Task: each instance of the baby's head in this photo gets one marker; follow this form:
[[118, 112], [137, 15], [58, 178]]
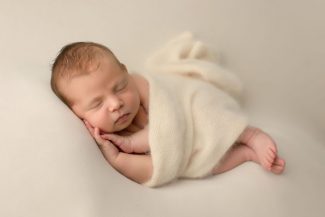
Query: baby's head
[[92, 82]]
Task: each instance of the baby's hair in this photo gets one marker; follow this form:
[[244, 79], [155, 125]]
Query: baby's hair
[[77, 59]]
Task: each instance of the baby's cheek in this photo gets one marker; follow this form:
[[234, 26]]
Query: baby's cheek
[[133, 100], [103, 122], [93, 120]]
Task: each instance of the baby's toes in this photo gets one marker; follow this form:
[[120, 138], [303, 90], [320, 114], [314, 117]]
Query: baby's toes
[[270, 158], [271, 152], [273, 148], [276, 169], [279, 162], [267, 163], [278, 166]]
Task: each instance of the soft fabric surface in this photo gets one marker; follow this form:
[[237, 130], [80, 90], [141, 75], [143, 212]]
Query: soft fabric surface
[[51, 167], [192, 118]]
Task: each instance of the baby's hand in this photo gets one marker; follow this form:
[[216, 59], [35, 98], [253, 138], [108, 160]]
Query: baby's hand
[[108, 149], [123, 142], [90, 128]]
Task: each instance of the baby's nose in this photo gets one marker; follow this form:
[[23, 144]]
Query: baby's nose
[[115, 104]]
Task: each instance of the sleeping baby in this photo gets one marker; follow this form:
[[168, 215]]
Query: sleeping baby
[[157, 127]]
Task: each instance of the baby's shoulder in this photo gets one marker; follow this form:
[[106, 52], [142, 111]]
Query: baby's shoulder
[[143, 88], [139, 80]]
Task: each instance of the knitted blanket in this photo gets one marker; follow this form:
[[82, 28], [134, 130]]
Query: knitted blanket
[[193, 114]]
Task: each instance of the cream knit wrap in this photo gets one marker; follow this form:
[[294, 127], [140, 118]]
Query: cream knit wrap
[[193, 114]]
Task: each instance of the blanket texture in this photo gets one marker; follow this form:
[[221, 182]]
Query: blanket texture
[[194, 116]]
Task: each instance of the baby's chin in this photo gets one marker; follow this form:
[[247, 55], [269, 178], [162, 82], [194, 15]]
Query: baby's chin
[[116, 129]]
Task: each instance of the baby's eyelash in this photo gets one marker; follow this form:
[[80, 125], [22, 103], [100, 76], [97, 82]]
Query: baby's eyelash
[[96, 105], [122, 86]]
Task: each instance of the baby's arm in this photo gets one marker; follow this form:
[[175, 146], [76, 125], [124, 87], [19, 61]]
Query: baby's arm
[[136, 167], [137, 142]]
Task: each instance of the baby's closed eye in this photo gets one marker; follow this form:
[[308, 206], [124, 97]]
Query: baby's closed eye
[[96, 104], [121, 86]]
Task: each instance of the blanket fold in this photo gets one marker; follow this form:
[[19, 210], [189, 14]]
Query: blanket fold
[[193, 115]]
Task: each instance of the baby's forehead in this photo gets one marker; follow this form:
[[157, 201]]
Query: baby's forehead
[[88, 68], [85, 67], [100, 61]]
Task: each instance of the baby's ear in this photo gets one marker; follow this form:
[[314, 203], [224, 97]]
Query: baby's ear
[[123, 67]]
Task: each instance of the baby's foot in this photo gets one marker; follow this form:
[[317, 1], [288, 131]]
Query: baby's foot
[[278, 166], [264, 147]]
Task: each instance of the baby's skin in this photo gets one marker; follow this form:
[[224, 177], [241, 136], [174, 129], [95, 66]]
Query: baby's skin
[[133, 143], [114, 107], [131, 140], [252, 145]]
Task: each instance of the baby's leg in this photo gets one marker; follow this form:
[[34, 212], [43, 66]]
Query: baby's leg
[[254, 145], [235, 156]]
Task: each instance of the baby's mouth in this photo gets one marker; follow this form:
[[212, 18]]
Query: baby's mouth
[[123, 118]]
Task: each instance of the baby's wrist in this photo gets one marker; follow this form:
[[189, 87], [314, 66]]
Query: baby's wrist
[[131, 143]]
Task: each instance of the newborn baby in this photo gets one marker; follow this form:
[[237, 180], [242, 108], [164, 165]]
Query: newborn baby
[[114, 106]]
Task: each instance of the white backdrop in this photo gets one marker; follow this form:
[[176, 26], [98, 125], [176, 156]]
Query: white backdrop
[[49, 166]]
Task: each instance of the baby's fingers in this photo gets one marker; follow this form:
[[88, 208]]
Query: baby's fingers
[[109, 151], [112, 137], [98, 137], [116, 139], [90, 128]]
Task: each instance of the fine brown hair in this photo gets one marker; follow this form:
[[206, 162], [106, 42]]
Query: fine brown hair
[[75, 59]]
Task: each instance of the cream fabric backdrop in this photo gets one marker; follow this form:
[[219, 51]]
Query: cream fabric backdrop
[[50, 166]]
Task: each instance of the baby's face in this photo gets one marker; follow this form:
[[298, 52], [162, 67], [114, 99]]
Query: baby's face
[[107, 97]]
